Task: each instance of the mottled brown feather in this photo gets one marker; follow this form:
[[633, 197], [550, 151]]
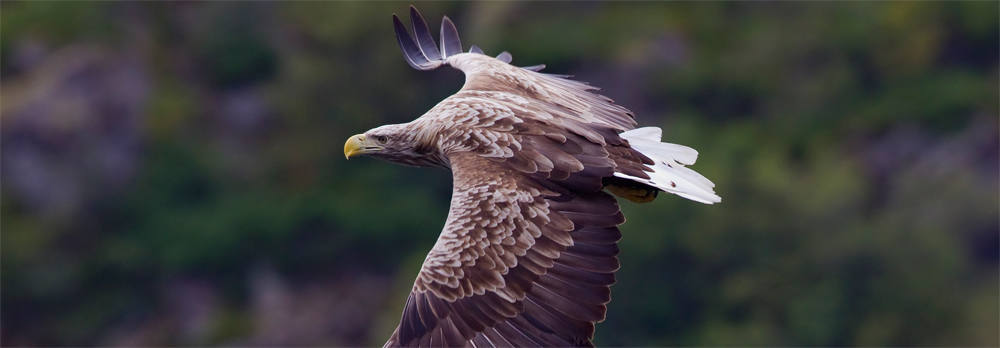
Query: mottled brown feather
[[528, 253]]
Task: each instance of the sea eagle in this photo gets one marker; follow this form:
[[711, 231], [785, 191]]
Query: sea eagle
[[529, 250]]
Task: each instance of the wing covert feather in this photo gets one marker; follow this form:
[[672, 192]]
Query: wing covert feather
[[491, 279]]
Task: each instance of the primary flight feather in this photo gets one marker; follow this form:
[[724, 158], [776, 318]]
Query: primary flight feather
[[529, 250]]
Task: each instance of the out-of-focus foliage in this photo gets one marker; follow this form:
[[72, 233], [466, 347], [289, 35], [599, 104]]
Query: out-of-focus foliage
[[172, 172]]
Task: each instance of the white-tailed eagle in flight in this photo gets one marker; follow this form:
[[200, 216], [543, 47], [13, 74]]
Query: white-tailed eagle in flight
[[529, 250]]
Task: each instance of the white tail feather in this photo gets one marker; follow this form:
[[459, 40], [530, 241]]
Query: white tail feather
[[669, 173]]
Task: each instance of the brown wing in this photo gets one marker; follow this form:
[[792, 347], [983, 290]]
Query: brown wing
[[569, 98], [485, 73], [528, 253]]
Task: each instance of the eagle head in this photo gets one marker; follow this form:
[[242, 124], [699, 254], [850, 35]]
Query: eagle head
[[397, 143]]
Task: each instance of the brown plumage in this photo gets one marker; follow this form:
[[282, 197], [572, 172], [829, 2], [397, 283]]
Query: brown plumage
[[529, 250]]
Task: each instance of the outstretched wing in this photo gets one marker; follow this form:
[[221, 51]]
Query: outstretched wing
[[528, 252], [559, 95], [526, 257]]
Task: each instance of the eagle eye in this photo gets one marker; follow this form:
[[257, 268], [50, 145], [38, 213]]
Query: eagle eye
[[381, 139]]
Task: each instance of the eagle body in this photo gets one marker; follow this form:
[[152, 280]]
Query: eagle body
[[529, 249]]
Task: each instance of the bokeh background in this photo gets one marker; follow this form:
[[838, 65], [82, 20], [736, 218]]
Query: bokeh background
[[172, 172]]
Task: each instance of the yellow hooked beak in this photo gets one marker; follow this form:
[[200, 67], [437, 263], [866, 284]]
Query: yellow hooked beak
[[358, 145]]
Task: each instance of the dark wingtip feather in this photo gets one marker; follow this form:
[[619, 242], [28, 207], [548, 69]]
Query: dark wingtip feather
[[422, 52], [450, 43], [505, 57], [403, 37], [423, 35], [411, 52]]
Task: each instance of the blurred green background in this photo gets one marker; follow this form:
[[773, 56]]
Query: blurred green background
[[172, 172]]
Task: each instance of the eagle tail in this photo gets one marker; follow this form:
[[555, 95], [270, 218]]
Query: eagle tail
[[669, 173]]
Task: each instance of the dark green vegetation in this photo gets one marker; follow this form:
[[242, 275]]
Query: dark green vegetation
[[172, 172]]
